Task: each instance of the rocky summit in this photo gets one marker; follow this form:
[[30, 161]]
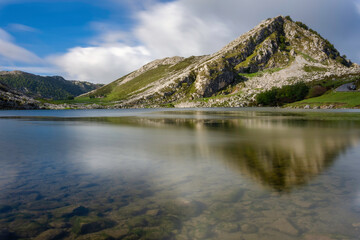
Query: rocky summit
[[277, 52]]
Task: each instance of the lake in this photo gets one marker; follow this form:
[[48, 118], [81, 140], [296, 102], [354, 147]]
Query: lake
[[243, 174]]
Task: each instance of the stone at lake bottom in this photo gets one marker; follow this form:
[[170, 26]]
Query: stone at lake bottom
[[153, 212], [303, 204], [59, 225], [283, 225], [24, 228], [227, 227], [203, 231], [317, 237], [249, 228], [93, 226], [52, 234], [78, 211]]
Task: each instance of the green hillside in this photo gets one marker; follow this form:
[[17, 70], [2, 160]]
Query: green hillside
[[53, 87], [336, 99], [118, 90]]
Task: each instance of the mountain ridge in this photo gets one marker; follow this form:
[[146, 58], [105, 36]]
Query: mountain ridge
[[45, 87], [275, 53]]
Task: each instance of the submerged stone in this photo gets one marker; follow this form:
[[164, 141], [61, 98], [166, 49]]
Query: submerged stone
[[283, 225], [317, 237], [230, 196], [227, 227], [80, 211], [185, 208], [69, 212], [225, 213], [203, 231], [90, 225], [51, 234], [153, 212], [249, 228], [27, 229]]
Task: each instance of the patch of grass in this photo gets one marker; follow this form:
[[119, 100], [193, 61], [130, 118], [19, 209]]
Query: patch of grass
[[308, 68], [125, 90], [81, 100], [343, 99], [260, 73], [183, 64], [117, 91], [308, 58]]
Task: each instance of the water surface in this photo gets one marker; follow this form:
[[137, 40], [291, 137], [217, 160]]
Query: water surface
[[171, 174]]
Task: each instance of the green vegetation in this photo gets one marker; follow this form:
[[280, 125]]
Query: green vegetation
[[308, 58], [333, 82], [117, 91], [183, 64], [302, 25], [260, 73], [308, 68], [339, 99], [316, 91], [283, 95], [45, 87], [282, 45], [288, 18], [124, 90]]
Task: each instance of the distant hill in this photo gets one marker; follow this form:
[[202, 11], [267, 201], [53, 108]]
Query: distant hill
[[276, 53], [11, 99], [54, 87]]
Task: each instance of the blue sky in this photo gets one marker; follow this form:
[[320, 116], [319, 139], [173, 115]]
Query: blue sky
[[100, 41]]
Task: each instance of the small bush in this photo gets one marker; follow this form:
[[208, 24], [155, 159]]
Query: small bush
[[288, 18], [303, 25], [316, 91], [282, 45]]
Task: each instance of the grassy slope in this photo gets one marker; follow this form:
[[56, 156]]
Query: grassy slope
[[339, 99], [115, 92]]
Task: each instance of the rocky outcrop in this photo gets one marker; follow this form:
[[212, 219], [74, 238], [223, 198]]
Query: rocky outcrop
[[10, 99]]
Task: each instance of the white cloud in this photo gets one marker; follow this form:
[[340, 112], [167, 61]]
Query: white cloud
[[172, 29], [357, 4], [11, 52], [21, 28], [108, 34], [5, 36], [101, 64]]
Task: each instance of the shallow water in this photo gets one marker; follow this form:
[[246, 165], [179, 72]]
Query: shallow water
[[189, 174]]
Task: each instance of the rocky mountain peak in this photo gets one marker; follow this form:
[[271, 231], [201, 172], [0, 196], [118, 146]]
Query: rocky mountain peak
[[277, 52]]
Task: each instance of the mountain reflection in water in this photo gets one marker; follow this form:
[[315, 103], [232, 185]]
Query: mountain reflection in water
[[180, 175], [280, 153]]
